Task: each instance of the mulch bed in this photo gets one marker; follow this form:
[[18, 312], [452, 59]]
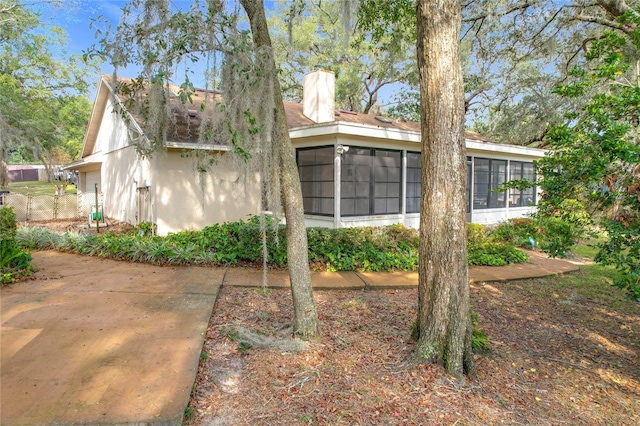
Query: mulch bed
[[557, 358], [80, 226]]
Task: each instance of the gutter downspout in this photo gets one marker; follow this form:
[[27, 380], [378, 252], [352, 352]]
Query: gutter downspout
[[337, 184]]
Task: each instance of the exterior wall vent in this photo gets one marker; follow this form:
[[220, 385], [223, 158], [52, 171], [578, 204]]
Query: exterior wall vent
[[384, 120]]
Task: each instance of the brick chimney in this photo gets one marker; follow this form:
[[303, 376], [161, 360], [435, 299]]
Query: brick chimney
[[318, 96]]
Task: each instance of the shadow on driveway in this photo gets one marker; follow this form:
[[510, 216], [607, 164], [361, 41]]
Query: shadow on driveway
[[92, 340]]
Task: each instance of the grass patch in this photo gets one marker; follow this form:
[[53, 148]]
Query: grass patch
[[586, 249], [38, 187], [593, 282]]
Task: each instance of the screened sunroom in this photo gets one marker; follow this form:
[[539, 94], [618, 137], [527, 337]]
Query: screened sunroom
[[362, 169], [369, 182]]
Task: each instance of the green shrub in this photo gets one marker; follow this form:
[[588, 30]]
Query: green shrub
[[38, 238], [385, 248], [492, 253], [8, 224], [557, 236], [388, 248], [622, 250], [146, 228], [574, 212], [250, 242], [518, 232], [14, 262], [482, 249], [476, 234], [562, 226]]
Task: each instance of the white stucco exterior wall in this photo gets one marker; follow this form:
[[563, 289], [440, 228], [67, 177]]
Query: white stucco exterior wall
[[182, 201], [119, 170]]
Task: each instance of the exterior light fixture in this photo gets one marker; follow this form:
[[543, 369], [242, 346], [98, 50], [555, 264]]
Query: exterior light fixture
[[341, 149]]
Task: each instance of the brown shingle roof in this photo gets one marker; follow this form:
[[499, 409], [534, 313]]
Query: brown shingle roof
[[187, 117]]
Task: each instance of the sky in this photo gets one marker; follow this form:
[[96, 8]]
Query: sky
[[75, 17]]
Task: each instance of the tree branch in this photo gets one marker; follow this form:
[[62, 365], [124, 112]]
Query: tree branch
[[602, 21], [518, 7], [615, 7]]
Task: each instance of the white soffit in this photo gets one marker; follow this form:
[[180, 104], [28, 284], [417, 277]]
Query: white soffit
[[474, 145], [366, 131]]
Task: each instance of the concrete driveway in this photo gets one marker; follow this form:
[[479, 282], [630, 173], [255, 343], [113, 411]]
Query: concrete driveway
[[96, 341]]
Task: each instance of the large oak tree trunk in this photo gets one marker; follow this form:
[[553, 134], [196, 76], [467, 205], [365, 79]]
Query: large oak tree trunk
[[444, 323], [306, 317]]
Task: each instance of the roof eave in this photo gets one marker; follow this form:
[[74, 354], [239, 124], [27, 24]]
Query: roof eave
[[91, 160], [197, 146], [504, 148], [354, 129]]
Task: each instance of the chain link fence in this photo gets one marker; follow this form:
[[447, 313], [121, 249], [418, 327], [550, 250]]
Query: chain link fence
[[42, 207]]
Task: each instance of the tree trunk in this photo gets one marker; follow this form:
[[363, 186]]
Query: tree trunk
[[48, 165], [306, 316], [444, 322], [4, 170]]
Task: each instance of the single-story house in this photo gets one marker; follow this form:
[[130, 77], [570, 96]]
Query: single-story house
[[355, 169]]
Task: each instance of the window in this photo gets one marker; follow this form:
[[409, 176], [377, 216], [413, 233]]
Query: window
[[488, 176], [468, 188], [527, 197], [315, 166], [371, 182], [387, 168], [413, 182]]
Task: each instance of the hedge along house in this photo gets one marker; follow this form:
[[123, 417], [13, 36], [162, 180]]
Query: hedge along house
[[355, 169]]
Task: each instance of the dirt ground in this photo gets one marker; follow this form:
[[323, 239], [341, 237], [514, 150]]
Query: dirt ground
[[557, 357], [79, 225]]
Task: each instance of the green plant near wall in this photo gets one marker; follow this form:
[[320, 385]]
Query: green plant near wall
[[483, 249], [385, 248], [15, 263], [522, 232], [8, 224], [146, 228], [555, 234]]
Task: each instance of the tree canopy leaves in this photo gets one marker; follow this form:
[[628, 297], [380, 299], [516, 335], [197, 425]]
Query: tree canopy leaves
[[43, 112], [595, 155]]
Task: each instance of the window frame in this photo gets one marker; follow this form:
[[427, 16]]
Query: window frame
[[306, 198], [416, 184], [494, 199], [513, 192], [371, 195]]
